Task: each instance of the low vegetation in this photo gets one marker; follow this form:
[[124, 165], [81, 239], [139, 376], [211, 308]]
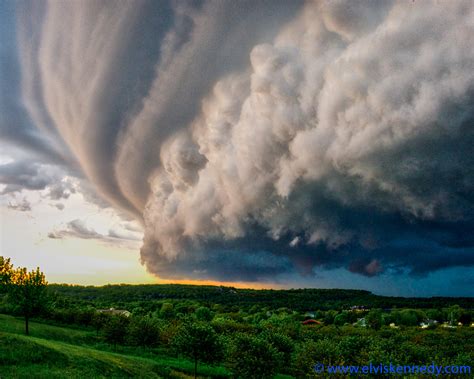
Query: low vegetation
[[203, 331]]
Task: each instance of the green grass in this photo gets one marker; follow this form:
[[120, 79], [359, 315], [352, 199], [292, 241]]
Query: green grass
[[22, 356], [16, 325], [59, 352]]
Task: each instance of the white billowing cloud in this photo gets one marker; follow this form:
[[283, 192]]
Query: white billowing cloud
[[338, 125], [335, 103], [388, 88]]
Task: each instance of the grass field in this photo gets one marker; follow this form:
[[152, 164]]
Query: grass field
[[58, 352]]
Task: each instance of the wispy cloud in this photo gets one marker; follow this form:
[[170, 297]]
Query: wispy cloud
[[22, 206], [79, 229]]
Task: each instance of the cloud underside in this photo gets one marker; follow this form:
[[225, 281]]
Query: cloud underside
[[255, 142]]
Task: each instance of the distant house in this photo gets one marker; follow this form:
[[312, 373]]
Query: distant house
[[312, 322], [428, 323], [115, 312], [448, 325], [358, 308], [360, 322]]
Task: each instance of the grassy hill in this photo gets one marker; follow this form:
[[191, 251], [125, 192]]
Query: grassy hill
[[58, 352]]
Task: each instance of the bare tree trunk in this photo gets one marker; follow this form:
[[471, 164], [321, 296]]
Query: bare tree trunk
[[27, 331]]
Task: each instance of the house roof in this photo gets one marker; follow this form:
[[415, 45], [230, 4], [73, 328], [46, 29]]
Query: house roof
[[114, 311], [311, 322]]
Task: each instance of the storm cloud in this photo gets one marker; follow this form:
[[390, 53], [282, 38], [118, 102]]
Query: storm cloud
[[254, 140], [26, 174]]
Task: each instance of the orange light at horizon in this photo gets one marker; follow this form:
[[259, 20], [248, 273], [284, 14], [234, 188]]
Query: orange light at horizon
[[241, 285], [194, 282]]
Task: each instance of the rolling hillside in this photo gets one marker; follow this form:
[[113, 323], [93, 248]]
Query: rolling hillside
[[57, 352]]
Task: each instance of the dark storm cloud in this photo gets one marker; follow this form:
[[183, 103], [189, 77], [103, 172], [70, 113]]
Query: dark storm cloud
[[20, 175], [27, 174], [257, 139], [61, 190], [380, 244]]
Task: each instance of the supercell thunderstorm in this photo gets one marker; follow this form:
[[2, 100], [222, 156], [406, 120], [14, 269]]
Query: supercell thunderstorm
[[253, 141]]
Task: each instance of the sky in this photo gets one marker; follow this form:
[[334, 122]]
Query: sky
[[265, 144]]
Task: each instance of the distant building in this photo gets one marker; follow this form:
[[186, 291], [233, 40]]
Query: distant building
[[360, 322], [448, 325], [115, 312], [312, 322], [428, 323], [358, 308]]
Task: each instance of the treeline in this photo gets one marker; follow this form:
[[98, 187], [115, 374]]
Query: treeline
[[295, 299], [67, 312]]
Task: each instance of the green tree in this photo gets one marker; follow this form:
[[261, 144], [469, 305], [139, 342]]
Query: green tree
[[434, 314], [6, 272], [115, 330], [167, 311], [198, 341], [374, 319], [143, 331], [329, 317], [203, 314], [409, 317], [352, 349], [168, 331], [284, 345], [465, 318], [253, 358], [99, 320], [341, 319], [454, 313], [309, 352], [27, 291]]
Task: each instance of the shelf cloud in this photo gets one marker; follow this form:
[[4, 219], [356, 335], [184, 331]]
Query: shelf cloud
[[254, 140]]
